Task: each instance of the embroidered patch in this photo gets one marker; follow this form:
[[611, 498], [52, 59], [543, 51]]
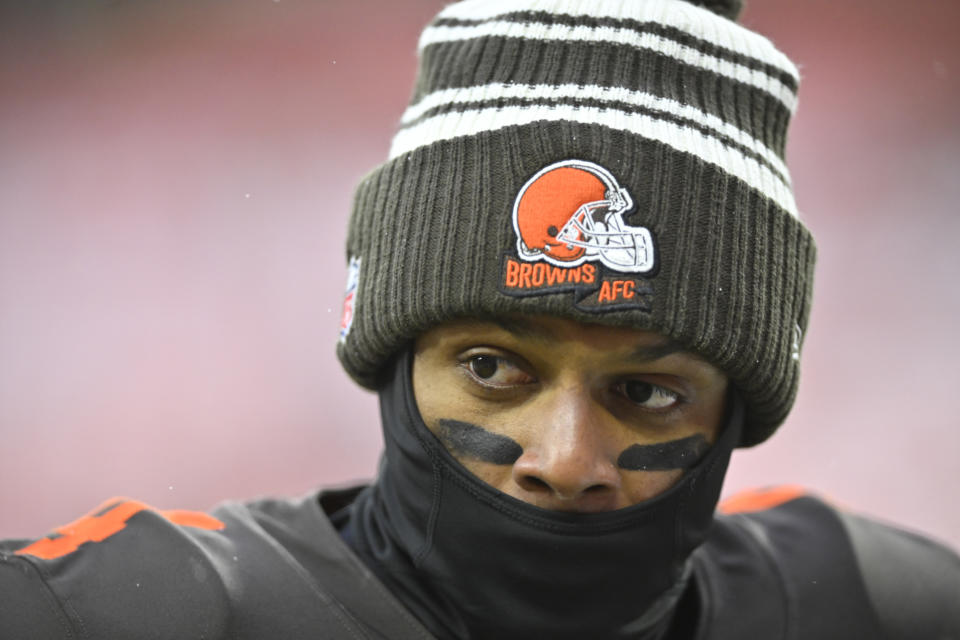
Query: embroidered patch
[[797, 341], [572, 236], [593, 287], [350, 297]]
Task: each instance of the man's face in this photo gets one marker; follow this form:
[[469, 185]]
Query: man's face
[[564, 415]]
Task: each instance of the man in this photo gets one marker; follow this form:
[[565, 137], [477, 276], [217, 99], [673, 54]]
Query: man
[[578, 283]]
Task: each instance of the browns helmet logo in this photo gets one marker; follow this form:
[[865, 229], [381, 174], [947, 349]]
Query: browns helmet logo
[[572, 212]]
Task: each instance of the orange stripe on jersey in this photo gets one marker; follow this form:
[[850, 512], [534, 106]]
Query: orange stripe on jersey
[[197, 519], [106, 520], [760, 499]]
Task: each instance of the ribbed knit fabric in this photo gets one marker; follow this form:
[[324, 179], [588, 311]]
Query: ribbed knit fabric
[[680, 111]]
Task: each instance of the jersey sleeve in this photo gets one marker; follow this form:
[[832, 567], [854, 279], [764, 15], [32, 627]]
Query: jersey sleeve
[[851, 566], [124, 570], [913, 581], [27, 607], [128, 571]]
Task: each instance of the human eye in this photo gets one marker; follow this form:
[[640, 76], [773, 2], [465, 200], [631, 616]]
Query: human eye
[[648, 395], [492, 370]]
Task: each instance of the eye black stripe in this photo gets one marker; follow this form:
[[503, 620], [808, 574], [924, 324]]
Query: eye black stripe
[[664, 456], [471, 441]]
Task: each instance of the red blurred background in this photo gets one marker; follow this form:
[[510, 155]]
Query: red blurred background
[[175, 180]]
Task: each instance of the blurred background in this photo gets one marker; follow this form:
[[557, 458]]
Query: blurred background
[[175, 180]]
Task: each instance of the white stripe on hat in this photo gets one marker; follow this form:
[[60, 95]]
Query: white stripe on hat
[[539, 31], [475, 121], [699, 22], [592, 92]]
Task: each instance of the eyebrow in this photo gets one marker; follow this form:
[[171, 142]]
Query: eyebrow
[[651, 352], [521, 328]]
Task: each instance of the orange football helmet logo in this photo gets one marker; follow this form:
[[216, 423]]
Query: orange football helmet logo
[[571, 212]]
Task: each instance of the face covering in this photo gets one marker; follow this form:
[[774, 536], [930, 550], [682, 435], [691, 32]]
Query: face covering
[[472, 562]]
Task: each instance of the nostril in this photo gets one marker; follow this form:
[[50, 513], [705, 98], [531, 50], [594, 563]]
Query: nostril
[[533, 483]]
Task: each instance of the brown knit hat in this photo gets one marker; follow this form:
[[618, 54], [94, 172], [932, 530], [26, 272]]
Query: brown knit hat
[[611, 161]]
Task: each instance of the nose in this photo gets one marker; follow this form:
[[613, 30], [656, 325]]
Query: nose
[[568, 464]]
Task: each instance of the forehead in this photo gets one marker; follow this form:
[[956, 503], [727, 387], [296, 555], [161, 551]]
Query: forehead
[[593, 341]]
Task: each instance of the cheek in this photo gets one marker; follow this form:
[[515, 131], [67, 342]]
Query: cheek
[[710, 418], [437, 392]]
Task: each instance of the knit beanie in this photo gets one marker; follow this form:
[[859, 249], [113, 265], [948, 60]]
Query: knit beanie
[[618, 162]]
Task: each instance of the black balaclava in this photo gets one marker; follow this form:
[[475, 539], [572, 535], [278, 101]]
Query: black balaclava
[[472, 562]]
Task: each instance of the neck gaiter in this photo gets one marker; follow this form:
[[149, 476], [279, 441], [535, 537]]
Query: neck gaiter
[[472, 562]]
